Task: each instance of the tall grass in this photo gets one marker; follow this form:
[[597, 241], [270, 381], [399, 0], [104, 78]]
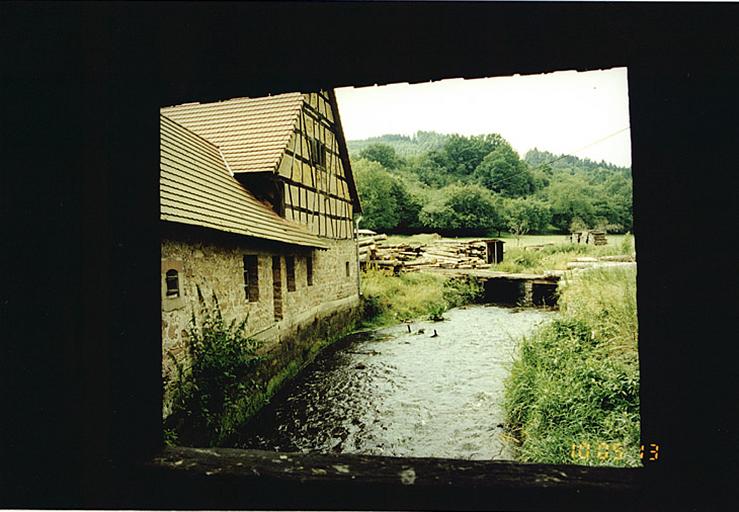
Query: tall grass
[[575, 382], [390, 299], [551, 257]]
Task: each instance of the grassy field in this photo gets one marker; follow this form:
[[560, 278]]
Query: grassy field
[[556, 252], [573, 393], [511, 242]]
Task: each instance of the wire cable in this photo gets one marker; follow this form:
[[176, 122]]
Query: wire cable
[[540, 166]]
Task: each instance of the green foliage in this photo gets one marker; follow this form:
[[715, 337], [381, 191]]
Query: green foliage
[[570, 197], [383, 154], [464, 154], [404, 146], [469, 209], [462, 290], [551, 257], [418, 170], [504, 172], [431, 169], [436, 311], [578, 225], [389, 299], [576, 380], [526, 214], [627, 244], [210, 393], [386, 202]]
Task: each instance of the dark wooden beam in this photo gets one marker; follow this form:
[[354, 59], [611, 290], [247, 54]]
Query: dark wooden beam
[[195, 478]]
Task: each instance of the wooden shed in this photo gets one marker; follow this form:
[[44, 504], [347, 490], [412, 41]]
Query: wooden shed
[[494, 250]]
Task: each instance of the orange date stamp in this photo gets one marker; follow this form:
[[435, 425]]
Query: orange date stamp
[[610, 452]]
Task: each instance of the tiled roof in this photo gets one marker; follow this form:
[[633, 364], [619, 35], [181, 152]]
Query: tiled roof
[[252, 133], [196, 188]]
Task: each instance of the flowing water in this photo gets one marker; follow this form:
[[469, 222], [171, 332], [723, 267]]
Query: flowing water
[[390, 392]]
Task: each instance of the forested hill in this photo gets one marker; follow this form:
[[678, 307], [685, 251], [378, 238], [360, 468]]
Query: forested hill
[[534, 157], [456, 184], [423, 142], [404, 145]]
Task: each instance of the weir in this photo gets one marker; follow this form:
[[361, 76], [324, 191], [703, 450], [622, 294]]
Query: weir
[[515, 289]]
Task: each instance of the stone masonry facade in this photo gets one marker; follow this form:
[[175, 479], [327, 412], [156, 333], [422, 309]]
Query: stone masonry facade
[[214, 263]]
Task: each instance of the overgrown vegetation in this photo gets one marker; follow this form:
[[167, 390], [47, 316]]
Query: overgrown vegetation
[[390, 299], [223, 381], [459, 185], [575, 382], [556, 257], [215, 389]]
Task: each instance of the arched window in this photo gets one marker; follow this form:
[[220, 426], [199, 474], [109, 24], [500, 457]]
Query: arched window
[[173, 283]]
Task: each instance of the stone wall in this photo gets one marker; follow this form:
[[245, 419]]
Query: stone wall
[[214, 263]]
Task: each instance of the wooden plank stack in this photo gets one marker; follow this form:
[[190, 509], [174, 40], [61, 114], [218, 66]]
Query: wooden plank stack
[[588, 237], [598, 237], [368, 243], [410, 257]]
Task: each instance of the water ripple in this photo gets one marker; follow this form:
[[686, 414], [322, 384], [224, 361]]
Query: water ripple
[[395, 393]]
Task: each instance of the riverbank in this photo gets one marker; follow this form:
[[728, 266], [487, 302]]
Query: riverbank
[[390, 299], [573, 393]]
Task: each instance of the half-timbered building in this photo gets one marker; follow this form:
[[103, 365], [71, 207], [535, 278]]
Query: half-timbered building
[[257, 209]]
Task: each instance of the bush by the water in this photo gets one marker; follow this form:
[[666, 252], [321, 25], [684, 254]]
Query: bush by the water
[[215, 392], [392, 298], [575, 382]]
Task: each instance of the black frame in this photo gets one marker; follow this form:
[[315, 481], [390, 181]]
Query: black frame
[[86, 82]]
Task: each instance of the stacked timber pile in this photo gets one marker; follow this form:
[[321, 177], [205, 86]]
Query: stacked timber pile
[[368, 243], [588, 237], [374, 251], [453, 254], [598, 237]]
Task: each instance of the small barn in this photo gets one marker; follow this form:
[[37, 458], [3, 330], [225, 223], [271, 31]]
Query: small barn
[[257, 209]]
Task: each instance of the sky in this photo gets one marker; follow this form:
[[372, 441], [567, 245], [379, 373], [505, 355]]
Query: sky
[[563, 112]]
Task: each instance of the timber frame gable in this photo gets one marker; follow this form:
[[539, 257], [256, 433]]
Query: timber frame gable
[[288, 150], [319, 189]]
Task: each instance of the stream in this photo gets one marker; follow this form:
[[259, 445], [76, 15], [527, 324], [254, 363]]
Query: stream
[[390, 392]]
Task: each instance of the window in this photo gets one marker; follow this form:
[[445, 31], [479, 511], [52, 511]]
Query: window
[[317, 152], [173, 284], [251, 278], [309, 268], [277, 287], [290, 266], [347, 269]]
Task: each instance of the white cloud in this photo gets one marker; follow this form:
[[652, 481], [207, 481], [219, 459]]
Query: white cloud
[[561, 112]]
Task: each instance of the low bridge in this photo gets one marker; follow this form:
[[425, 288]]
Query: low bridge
[[510, 288]]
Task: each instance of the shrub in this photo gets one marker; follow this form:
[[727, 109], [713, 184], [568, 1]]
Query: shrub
[[627, 244], [390, 299], [436, 311], [213, 391], [462, 290]]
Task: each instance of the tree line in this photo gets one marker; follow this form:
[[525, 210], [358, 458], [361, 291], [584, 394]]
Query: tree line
[[476, 185]]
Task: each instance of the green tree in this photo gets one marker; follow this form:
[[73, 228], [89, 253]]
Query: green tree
[[386, 203], [383, 154], [431, 169], [462, 209], [464, 154], [569, 197], [504, 172], [526, 214]]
